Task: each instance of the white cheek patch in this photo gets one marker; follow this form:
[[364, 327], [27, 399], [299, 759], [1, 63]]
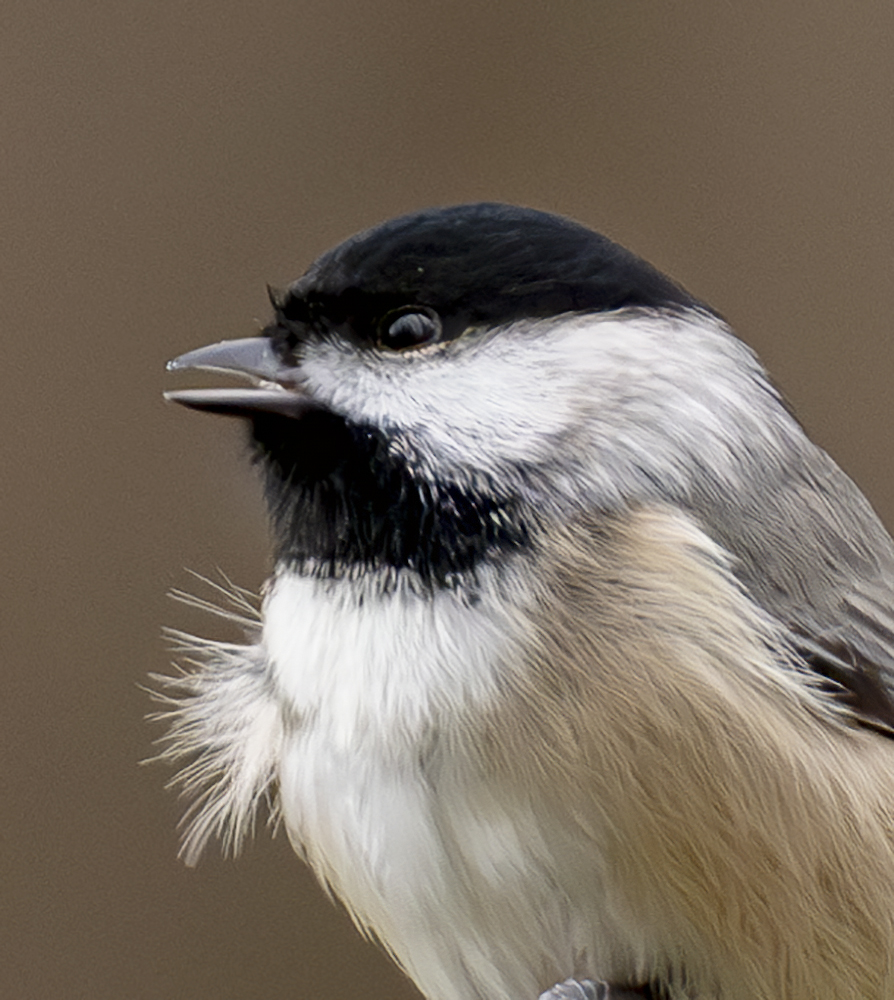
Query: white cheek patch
[[492, 398], [608, 399]]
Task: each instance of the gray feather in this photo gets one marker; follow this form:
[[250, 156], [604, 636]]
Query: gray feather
[[814, 554]]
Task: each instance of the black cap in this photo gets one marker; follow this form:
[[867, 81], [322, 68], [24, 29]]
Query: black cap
[[485, 263]]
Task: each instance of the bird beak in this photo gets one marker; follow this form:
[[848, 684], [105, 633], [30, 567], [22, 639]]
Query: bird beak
[[275, 389]]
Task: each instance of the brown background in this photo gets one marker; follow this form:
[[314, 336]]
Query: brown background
[[162, 161]]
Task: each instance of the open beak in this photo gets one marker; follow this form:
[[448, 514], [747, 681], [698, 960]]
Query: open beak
[[275, 388]]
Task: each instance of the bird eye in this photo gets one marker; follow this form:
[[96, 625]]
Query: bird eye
[[411, 326]]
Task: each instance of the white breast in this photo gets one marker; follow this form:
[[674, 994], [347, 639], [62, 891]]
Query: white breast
[[358, 663], [419, 848]]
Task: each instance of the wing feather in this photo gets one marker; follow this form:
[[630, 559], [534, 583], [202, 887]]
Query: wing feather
[[814, 554]]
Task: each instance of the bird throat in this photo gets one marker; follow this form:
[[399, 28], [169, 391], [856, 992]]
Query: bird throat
[[344, 499]]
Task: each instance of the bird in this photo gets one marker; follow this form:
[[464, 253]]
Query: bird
[[574, 676]]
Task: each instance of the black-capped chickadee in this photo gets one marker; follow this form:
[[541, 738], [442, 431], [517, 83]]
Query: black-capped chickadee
[[577, 664]]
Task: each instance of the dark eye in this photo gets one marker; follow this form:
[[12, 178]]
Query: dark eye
[[411, 326]]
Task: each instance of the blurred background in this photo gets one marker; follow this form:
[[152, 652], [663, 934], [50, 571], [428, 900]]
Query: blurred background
[[160, 163]]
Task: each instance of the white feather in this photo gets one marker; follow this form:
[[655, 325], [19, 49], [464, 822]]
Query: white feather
[[378, 792]]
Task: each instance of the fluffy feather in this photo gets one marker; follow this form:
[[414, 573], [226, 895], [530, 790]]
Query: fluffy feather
[[224, 721]]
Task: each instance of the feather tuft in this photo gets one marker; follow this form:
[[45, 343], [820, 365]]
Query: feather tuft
[[224, 728]]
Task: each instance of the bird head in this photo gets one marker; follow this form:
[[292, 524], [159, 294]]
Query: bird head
[[435, 390]]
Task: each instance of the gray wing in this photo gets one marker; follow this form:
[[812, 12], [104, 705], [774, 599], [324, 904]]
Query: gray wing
[[813, 553]]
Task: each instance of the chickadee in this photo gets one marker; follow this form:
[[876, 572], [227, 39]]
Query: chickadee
[[576, 666]]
